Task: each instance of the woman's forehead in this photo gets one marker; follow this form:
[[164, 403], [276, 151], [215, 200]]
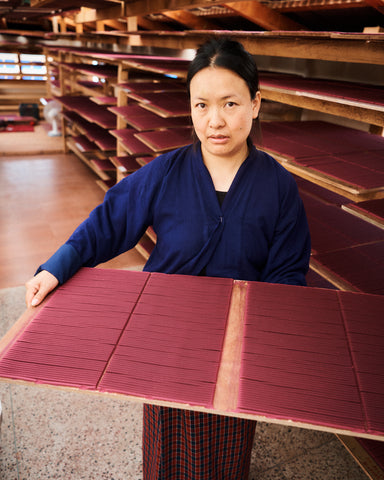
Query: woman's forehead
[[219, 81]]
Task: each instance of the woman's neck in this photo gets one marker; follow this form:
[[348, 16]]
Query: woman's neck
[[223, 169]]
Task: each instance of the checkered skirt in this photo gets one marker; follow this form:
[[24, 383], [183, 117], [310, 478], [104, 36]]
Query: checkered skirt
[[186, 445]]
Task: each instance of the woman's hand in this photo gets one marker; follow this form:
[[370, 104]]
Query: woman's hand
[[39, 287]]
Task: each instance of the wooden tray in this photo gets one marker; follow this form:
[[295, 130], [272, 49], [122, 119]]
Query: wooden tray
[[312, 359]]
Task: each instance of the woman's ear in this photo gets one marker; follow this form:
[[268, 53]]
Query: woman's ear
[[256, 103]]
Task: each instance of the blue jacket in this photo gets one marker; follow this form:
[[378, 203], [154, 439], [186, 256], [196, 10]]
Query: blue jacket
[[259, 233]]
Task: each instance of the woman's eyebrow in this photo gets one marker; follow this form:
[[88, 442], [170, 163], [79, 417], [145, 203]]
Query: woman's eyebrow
[[225, 97]]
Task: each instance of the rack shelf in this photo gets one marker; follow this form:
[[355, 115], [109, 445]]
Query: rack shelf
[[142, 119], [151, 100], [344, 160], [356, 101]]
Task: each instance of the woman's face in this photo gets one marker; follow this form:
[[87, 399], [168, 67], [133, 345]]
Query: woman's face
[[222, 112]]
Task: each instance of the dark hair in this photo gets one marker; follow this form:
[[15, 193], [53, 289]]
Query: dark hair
[[226, 53]]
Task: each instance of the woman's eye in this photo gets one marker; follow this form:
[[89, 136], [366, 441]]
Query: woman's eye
[[231, 104], [200, 105]]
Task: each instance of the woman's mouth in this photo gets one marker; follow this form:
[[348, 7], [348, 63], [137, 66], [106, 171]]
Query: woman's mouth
[[218, 138]]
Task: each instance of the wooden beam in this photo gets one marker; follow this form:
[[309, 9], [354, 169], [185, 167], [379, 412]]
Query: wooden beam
[[91, 15], [55, 24], [376, 29], [132, 24], [148, 24], [252, 10], [115, 24], [63, 22], [190, 20], [353, 47], [331, 105], [100, 26], [132, 27], [315, 5], [356, 48], [145, 7], [67, 21], [362, 457], [377, 4], [263, 16]]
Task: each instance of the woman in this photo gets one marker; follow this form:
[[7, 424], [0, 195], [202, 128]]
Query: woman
[[220, 208]]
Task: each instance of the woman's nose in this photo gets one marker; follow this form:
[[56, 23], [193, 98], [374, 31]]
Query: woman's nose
[[216, 119]]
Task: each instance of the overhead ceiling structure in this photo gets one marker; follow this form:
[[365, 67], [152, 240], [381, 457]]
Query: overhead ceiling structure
[[179, 15]]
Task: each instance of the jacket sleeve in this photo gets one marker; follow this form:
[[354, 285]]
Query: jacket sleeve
[[113, 227], [289, 253]]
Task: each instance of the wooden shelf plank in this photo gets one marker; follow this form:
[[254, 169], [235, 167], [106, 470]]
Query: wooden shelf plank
[[89, 110], [84, 145], [356, 48], [77, 149], [371, 211], [362, 453], [100, 136], [104, 100], [166, 104], [175, 67], [100, 71], [131, 144], [103, 168], [105, 185], [164, 140], [349, 270], [125, 164], [142, 119], [356, 101], [151, 86], [145, 247], [328, 155]]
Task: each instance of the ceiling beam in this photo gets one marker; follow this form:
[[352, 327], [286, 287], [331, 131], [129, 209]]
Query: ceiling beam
[[145, 7], [149, 24], [93, 15], [115, 24], [356, 48], [316, 5], [265, 17], [190, 20], [377, 4]]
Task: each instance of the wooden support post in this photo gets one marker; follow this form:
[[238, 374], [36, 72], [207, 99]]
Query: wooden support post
[[377, 130], [63, 25], [47, 83], [122, 100], [55, 24], [100, 25], [64, 134], [134, 40]]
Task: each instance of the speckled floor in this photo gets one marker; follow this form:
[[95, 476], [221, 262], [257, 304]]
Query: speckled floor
[[53, 434]]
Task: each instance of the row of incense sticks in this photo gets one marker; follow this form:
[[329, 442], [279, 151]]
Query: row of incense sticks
[[307, 355]]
